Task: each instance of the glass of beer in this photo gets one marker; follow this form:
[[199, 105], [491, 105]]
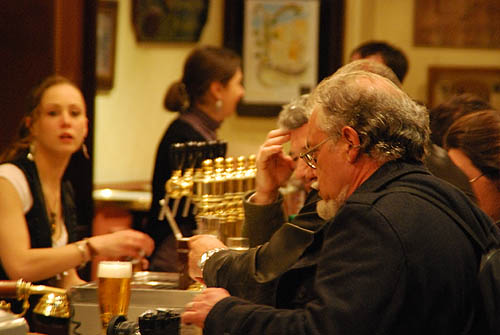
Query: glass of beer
[[113, 289], [238, 244]]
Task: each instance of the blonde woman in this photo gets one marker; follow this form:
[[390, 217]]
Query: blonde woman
[[38, 212]]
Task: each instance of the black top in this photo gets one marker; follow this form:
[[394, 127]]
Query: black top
[[38, 220], [439, 164], [37, 217], [193, 126]]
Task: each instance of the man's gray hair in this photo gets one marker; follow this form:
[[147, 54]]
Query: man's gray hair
[[372, 66], [295, 114], [389, 123]]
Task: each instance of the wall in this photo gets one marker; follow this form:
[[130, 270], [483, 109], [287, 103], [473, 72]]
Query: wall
[[130, 119], [392, 20]]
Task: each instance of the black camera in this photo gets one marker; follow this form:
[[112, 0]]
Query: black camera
[[161, 321]]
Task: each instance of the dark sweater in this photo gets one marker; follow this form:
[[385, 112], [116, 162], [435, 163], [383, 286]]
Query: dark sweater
[[194, 125]]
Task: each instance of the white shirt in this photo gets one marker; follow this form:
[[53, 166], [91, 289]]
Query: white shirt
[[17, 178]]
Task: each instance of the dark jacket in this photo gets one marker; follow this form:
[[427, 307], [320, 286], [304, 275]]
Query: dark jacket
[[293, 248], [395, 266]]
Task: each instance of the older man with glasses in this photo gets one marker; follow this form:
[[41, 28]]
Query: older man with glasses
[[255, 274], [392, 262]]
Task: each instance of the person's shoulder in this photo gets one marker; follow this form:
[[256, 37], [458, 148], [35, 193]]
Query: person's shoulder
[[11, 171], [181, 131], [16, 177], [439, 164]]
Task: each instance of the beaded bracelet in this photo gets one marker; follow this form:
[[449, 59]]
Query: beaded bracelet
[[92, 250], [84, 250]]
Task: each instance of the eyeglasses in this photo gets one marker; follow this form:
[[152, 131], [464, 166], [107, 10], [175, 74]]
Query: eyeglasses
[[476, 178], [308, 156]]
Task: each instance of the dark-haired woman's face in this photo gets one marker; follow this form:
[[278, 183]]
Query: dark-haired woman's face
[[232, 93], [61, 125]]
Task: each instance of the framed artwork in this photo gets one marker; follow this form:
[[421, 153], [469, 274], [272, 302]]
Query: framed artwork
[[280, 43], [457, 23], [280, 50], [107, 11], [169, 20], [447, 81]]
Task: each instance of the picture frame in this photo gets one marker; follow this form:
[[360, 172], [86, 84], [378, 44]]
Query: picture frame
[[443, 82], [456, 24], [280, 49], [330, 45], [107, 11], [169, 21]]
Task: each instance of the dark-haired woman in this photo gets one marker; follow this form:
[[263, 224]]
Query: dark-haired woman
[[473, 143], [208, 92]]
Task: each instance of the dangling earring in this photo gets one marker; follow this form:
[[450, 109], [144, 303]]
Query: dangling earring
[[31, 152], [85, 151], [218, 105]]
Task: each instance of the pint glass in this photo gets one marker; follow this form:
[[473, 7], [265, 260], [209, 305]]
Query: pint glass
[[238, 244], [113, 289]]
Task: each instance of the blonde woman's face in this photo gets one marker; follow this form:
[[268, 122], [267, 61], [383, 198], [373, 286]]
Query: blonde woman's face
[[61, 124]]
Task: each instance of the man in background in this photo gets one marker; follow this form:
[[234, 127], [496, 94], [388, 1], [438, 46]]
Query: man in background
[[385, 53]]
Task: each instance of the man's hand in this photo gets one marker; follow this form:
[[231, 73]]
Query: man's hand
[[197, 310], [273, 167], [199, 244]]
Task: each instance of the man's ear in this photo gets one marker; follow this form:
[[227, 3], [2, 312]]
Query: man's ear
[[353, 143]]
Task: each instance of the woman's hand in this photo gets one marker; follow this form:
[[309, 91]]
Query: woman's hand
[[124, 243]]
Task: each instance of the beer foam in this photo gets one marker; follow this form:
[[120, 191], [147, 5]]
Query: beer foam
[[114, 270]]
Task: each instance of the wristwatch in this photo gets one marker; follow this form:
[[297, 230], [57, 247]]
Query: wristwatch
[[206, 256]]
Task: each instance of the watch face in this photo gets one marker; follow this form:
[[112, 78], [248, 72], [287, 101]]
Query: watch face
[[169, 20], [206, 255]]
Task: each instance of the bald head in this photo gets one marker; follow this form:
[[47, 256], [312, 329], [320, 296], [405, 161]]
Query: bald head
[[372, 66]]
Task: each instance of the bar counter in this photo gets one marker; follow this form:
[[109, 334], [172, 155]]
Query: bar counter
[[150, 291]]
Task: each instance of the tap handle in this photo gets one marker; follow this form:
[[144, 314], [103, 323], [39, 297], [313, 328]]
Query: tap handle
[[8, 288], [177, 156], [191, 149], [200, 154], [212, 151], [221, 149]]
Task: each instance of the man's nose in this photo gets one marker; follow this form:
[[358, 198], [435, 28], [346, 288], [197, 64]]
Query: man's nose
[[300, 169], [311, 173]]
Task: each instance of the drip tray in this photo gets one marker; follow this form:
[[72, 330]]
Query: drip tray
[[155, 280]]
